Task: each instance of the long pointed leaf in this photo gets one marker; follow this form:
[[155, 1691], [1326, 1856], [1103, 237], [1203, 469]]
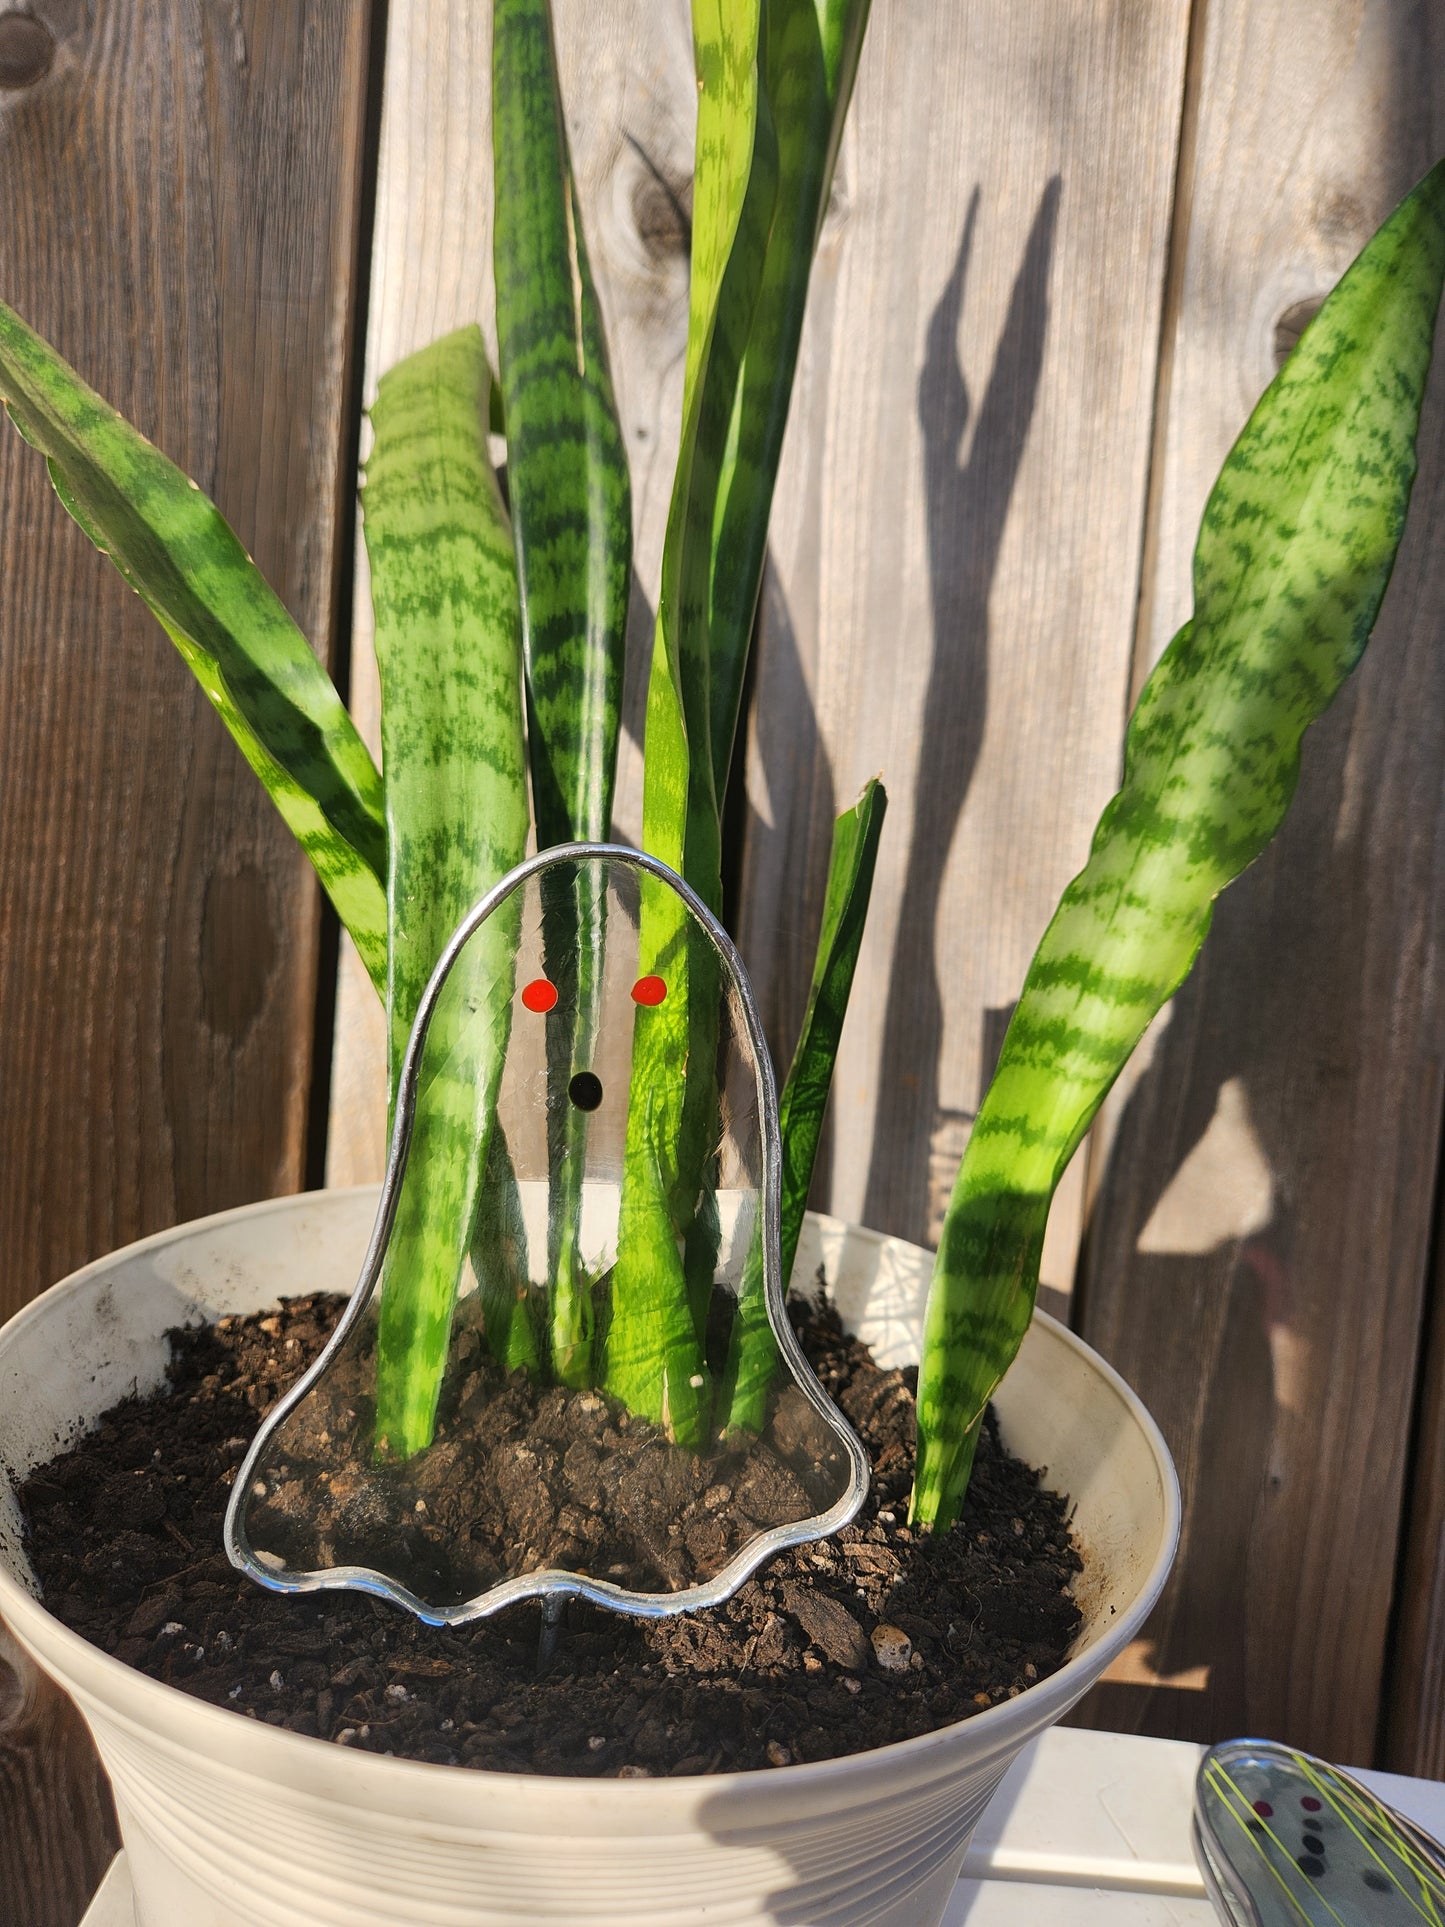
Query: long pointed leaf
[[176, 550], [809, 56], [680, 797], [1296, 548], [810, 1076], [572, 523], [804, 1098], [807, 59], [654, 1340], [447, 641], [566, 466], [499, 1259]]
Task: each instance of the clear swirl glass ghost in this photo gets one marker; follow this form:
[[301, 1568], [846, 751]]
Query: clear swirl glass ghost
[[593, 1389]]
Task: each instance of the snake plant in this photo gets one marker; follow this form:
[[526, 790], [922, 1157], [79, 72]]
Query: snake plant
[[1294, 554], [500, 621], [500, 618]]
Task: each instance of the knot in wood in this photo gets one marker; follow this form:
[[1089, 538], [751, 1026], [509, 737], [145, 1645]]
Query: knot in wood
[[27, 50], [1291, 325]]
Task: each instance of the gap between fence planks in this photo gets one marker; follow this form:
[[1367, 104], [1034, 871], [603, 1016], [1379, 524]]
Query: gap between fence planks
[[181, 194], [1264, 1175]]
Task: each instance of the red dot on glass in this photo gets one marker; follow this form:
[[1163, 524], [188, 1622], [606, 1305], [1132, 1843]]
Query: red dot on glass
[[1310, 1803], [649, 990], [1264, 1809], [539, 995]]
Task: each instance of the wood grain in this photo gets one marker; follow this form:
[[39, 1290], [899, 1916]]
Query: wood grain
[[181, 193], [955, 548], [630, 97], [1265, 1175], [58, 1832]]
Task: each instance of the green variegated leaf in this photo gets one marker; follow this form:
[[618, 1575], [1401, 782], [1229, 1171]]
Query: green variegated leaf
[[743, 348], [499, 1259], [804, 1100], [447, 641], [680, 797], [566, 466], [770, 116], [810, 1076], [176, 550], [654, 1347], [572, 524], [1296, 548], [809, 57]]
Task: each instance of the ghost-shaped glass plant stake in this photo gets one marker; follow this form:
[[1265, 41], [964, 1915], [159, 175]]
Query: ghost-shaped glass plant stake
[[566, 1368]]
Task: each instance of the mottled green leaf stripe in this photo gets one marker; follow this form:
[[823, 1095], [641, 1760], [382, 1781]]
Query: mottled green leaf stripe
[[654, 1355], [804, 1100], [1295, 550], [566, 466], [572, 524], [680, 796], [176, 550], [444, 593], [809, 56], [654, 1351]]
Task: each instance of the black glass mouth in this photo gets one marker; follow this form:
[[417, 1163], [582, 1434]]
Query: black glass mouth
[[585, 1090]]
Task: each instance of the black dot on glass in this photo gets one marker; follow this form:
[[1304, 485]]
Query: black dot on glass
[[1257, 1826], [1312, 1843], [1377, 1882], [1311, 1864], [585, 1090]]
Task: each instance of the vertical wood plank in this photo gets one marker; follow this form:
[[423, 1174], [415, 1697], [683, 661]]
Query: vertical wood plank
[[631, 104], [955, 549], [58, 1831], [181, 191], [1266, 1171]]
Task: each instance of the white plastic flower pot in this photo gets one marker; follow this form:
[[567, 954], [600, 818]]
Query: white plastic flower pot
[[231, 1823]]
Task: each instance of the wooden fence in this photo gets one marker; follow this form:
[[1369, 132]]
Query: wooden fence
[[1069, 244]]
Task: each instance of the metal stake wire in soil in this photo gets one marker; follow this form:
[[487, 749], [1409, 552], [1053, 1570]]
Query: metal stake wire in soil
[[554, 1611]]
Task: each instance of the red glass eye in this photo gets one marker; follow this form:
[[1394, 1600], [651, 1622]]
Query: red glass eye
[[649, 991], [539, 995]]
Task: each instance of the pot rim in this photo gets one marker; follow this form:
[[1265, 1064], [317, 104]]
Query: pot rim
[[993, 1724]]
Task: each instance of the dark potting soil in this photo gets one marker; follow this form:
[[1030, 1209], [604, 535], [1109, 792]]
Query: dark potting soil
[[523, 1477], [873, 1636]]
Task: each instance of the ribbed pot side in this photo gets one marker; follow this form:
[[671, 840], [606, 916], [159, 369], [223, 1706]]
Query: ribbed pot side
[[229, 1822]]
